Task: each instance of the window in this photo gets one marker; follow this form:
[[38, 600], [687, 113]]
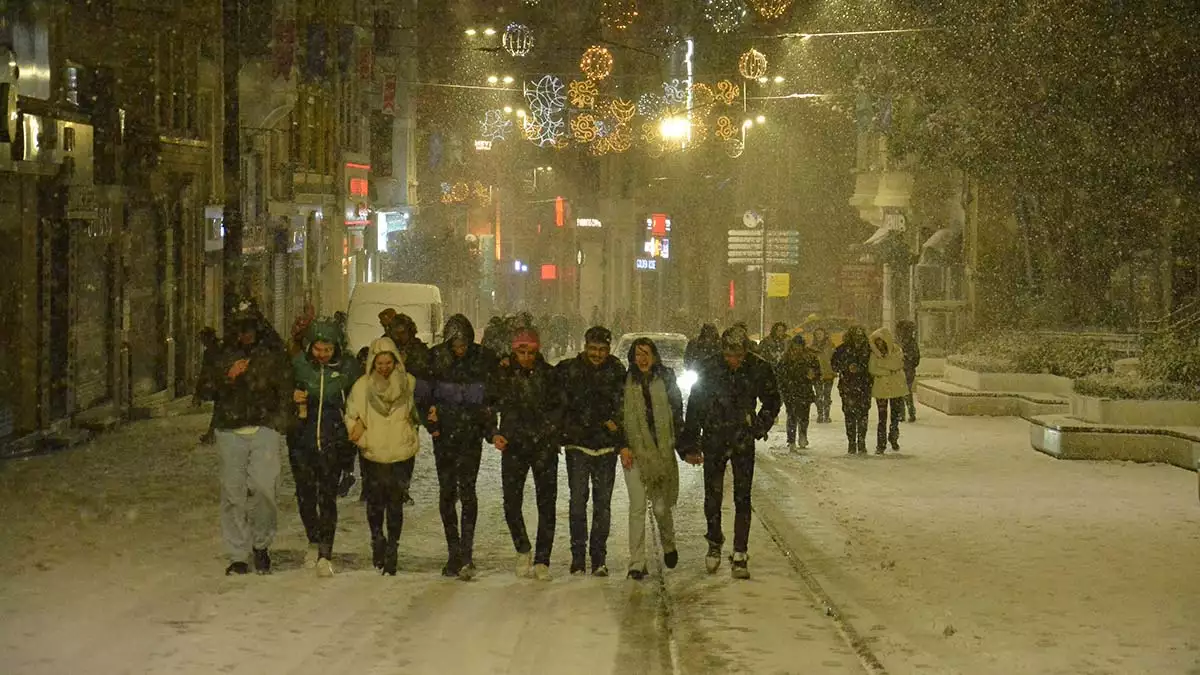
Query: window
[[69, 139]]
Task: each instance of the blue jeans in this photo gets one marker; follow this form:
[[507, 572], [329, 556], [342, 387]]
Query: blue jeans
[[250, 465], [595, 474]]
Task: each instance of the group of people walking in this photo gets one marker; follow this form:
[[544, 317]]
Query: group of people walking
[[329, 408]]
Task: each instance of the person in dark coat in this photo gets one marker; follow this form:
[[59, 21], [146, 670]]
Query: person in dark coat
[[773, 347], [252, 412], [906, 336], [206, 383], [458, 418], [852, 362], [320, 441], [495, 336], [528, 396], [799, 372], [706, 346], [735, 404], [403, 331], [593, 383]]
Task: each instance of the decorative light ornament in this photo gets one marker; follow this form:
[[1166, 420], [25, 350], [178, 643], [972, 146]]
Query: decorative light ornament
[[583, 128], [597, 63], [495, 126], [621, 138], [752, 65], [518, 39], [545, 95], [482, 193], [728, 91], [674, 92], [771, 9], [734, 148], [460, 192], [582, 93], [725, 128], [600, 146], [702, 97], [650, 104], [618, 14], [622, 110], [725, 16]]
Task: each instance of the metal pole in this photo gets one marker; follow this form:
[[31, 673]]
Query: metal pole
[[762, 287], [232, 156]]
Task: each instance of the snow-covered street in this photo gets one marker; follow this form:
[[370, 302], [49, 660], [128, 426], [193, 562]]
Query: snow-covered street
[[968, 552]]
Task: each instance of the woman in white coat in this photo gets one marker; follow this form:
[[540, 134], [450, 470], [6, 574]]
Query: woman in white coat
[[382, 419], [888, 386]]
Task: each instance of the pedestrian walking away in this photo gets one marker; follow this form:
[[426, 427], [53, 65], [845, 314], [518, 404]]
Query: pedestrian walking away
[[458, 417], [529, 399], [252, 411], [888, 387], [822, 347], [593, 384], [852, 363], [653, 417], [705, 346], [206, 383], [736, 405], [906, 337], [775, 345], [382, 418], [319, 442], [798, 373]]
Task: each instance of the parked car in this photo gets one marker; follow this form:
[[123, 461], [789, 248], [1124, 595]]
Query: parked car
[[670, 349]]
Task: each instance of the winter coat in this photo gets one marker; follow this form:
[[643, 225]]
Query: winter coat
[[852, 362], [824, 352], [797, 373], [495, 337], [706, 346], [653, 416], [262, 395], [887, 369], [457, 386], [530, 405], [328, 387], [731, 406], [388, 416], [773, 348], [592, 398], [906, 337]]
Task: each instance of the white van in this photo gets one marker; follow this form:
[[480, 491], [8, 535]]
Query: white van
[[422, 302]]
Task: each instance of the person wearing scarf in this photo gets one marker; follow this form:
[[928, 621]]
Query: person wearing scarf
[[652, 419], [382, 419]]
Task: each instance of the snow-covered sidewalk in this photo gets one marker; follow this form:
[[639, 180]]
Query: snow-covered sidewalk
[[968, 552]]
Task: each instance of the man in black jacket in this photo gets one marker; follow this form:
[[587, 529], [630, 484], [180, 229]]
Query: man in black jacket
[[458, 419], [736, 403], [593, 383], [253, 410], [528, 396]]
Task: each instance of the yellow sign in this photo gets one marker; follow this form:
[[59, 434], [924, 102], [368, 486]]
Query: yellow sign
[[778, 285]]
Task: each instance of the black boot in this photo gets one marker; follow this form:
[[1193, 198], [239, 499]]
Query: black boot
[[378, 551], [391, 557]]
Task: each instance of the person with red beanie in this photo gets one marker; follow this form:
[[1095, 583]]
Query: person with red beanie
[[528, 396]]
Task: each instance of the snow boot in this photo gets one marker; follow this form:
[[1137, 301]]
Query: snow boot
[[712, 561], [895, 446], [391, 555], [262, 561], [738, 567], [671, 559], [541, 572], [600, 570], [378, 551], [522, 566], [467, 573], [237, 568], [325, 568]]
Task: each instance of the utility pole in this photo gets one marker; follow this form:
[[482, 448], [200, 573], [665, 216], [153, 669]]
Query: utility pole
[[233, 221]]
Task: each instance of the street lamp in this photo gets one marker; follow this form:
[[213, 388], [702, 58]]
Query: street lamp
[[508, 79], [492, 79], [778, 79], [508, 110], [761, 119], [489, 31], [674, 128], [470, 32]]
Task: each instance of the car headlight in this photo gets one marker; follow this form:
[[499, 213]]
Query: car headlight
[[688, 379]]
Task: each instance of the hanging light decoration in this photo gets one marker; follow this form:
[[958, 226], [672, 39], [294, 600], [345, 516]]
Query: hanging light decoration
[[771, 9], [518, 39], [582, 93], [734, 148], [597, 63], [622, 110], [725, 16], [752, 65], [618, 14]]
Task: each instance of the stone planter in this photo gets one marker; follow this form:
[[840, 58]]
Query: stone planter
[[1136, 412], [1008, 382]]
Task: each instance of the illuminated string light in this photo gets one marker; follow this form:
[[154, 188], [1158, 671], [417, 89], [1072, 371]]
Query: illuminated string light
[[725, 16], [752, 65], [518, 39], [618, 14], [597, 63], [582, 93], [771, 9]]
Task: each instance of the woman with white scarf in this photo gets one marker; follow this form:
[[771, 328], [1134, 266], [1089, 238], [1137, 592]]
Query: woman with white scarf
[[382, 419], [653, 418]]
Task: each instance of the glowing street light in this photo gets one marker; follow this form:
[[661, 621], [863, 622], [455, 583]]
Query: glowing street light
[[747, 124], [489, 31], [761, 119], [762, 80], [471, 32], [508, 79], [508, 110], [778, 79], [520, 113], [492, 79], [674, 128]]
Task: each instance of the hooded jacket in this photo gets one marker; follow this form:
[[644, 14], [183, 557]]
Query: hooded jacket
[[906, 337], [798, 372], [328, 386], [458, 386], [731, 406], [773, 348], [262, 395], [823, 350], [887, 367], [389, 415], [592, 398], [852, 362], [706, 346]]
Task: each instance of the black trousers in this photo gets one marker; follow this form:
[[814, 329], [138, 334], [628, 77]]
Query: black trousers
[[515, 465], [317, 473], [888, 428], [458, 469], [387, 491], [716, 458], [824, 392], [798, 413], [856, 408], [594, 474], [910, 375]]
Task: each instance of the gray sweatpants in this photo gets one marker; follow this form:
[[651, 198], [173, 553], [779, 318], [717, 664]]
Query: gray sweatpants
[[637, 520], [250, 466]]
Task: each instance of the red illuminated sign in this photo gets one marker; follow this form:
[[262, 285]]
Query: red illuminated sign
[[359, 187], [658, 226], [731, 294], [560, 212], [549, 272]]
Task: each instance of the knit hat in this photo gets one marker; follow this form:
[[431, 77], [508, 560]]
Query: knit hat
[[598, 335], [387, 315], [526, 337], [735, 338], [798, 339]]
